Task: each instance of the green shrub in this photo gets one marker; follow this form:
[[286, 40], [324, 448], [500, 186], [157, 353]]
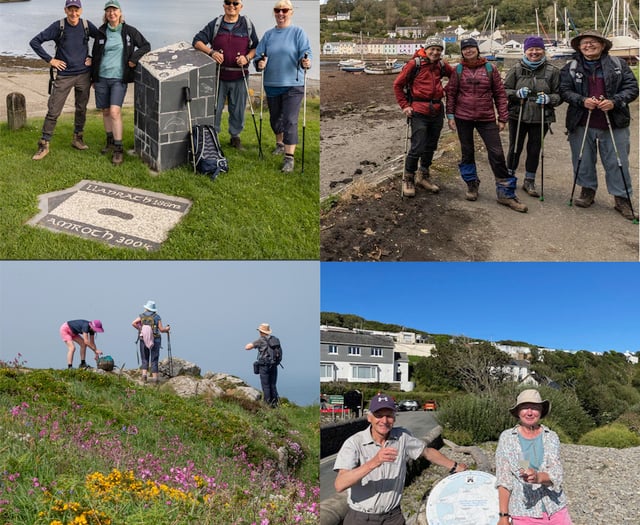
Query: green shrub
[[482, 417], [566, 413], [614, 435], [631, 420]]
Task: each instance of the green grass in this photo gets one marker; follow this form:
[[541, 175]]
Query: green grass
[[79, 445], [252, 212]]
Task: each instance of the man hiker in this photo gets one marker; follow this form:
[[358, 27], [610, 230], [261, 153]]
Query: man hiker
[[265, 365], [372, 465], [72, 67], [419, 92], [231, 41]]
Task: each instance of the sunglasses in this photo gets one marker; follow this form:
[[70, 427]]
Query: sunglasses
[[236, 4], [283, 10]]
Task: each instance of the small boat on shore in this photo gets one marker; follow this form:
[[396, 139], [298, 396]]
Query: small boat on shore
[[351, 62], [390, 67]]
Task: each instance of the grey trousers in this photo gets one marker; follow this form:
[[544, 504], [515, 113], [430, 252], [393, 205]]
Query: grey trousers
[[62, 86], [234, 92]]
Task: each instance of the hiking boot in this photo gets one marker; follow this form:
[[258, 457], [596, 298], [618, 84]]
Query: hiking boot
[[408, 185], [235, 143], [624, 207], [529, 186], [108, 147], [587, 196], [472, 190], [118, 155], [43, 150], [78, 141], [287, 165], [513, 203], [279, 149], [422, 179], [84, 366]]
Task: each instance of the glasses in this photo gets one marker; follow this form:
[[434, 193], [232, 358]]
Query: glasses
[[235, 4], [589, 42], [283, 10]]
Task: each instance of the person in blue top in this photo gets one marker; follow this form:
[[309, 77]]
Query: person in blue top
[[71, 65], [231, 41], [116, 53], [82, 332], [282, 55], [149, 326]]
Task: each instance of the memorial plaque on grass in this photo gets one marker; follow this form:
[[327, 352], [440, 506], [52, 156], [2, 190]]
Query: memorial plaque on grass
[[113, 214]]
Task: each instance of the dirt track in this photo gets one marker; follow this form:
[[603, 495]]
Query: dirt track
[[362, 149]]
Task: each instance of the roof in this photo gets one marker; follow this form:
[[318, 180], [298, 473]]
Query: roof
[[355, 338]]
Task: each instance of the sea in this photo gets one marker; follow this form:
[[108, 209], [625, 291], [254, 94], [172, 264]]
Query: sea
[[162, 22]]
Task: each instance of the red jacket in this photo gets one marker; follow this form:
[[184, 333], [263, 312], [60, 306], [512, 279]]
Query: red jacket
[[427, 91], [472, 95]]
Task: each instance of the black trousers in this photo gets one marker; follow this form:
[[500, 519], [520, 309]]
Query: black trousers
[[268, 380], [425, 134]]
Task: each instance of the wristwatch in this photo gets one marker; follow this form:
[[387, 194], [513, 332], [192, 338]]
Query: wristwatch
[[504, 514], [452, 470]]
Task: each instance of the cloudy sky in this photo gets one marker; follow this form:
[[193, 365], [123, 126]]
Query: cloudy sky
[[213, 308]]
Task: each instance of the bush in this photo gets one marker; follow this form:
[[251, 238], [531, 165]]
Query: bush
[[631, 420], [566, 413], [614, 435], [481, 417]]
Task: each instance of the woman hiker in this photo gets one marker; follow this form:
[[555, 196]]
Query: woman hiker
[[83, 333], [149, 327]]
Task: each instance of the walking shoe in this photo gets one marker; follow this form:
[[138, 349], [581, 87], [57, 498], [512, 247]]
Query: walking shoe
[[118, 155], [587, 196], [287, 165], [422, 179], [84, 366], [529, 186], [408, 185], [235, 143], [624, 207], [513, 203], [43, 150], [279, 149], [78, 141], [108, 146], [472, 190]]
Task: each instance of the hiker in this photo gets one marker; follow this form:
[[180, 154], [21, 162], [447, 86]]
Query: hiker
[[372, 465], [72, 67], [264, 366], [597, 85], [284, 52], [116, 53], [532, 86], [474, 93], [231, 41], [419, 92], [149, 327], [529, 474], [84, 333]]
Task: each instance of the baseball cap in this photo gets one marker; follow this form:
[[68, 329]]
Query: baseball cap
[[112, 3], [73, 3], [380, 401]]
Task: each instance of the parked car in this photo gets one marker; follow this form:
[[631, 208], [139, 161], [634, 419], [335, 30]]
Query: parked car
[[430, 405], [408, 404]]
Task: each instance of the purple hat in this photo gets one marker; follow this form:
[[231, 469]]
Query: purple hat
[[469, 42], [380, 401], [96, 326], [73, 3], [533, 41]]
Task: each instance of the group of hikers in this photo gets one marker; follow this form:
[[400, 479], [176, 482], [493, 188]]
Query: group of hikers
[[596, 86], [282, 55]]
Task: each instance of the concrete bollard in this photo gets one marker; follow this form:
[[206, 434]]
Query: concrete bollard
[[16, 111]]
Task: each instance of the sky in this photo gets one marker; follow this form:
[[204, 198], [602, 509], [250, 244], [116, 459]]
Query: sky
[[213, 307], [566, 306]]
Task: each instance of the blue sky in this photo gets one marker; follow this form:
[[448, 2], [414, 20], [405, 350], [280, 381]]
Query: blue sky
[[213, 308], [568, 306]]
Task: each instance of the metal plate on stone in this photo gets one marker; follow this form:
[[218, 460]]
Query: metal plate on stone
[[112, 214], [465, 498]]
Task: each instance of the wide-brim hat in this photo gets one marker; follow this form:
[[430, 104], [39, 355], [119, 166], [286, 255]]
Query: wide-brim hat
[[530, 396], [380, 401], [151, 306], [264, 328], [575, 41], [96, 326]]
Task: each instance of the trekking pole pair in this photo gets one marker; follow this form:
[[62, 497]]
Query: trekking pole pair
[[584, 138], [253, 115]]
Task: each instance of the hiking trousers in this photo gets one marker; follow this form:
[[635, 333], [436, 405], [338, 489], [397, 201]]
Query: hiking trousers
[[62, 86], [150, 355], [234, 93], [531, 132], [268, 379], [490, 135], [425, 134], [283, 113]]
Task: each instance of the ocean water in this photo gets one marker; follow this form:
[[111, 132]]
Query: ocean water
[[162, 22]]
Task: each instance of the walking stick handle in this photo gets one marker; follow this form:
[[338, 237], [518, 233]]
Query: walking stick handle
[[187, 93]]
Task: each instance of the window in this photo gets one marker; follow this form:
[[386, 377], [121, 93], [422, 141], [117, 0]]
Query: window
[[376, 352], [364, 372], [354, 350], [326, 371], [333, 349]]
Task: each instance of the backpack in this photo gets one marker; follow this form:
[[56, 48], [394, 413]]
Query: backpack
[[573, 64], [148, 329], [487, 66], [209, 157], [106, 363], [218, 23], [59, 41], [417, 57], [273, 353]]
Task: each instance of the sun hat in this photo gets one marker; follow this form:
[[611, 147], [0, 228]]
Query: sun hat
[[575, 41], [533, 41], [96, 326], [469, 42], [530, 396], [264, 328], [433, 42], [73, 3], [380, 401], [112, 3], [151, 306]]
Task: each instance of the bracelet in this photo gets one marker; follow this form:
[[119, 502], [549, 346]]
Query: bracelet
[[453, 469], [504, 514]]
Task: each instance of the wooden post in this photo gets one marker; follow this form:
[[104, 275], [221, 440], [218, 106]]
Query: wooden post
[[16, 111]]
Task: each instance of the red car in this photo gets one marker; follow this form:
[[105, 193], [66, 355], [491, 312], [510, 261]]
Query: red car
[[430, 405]]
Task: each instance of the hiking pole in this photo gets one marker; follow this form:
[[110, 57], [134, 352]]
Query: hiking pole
[[263, 56], [406, 152], [624, 180], [304, 111], [515, 149], [187, 96], [584, 138], [253, 115], [542, 148], [169, 352], [217, 90]]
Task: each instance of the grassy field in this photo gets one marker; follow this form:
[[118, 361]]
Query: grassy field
[[252, 212], [81, 447]]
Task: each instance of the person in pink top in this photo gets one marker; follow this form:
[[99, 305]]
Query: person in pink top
[[84, 333]]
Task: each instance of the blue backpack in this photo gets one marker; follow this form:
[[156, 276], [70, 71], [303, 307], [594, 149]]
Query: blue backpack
[[208, 155]]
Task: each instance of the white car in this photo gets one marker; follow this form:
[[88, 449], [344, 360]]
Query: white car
[[408, 404]]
